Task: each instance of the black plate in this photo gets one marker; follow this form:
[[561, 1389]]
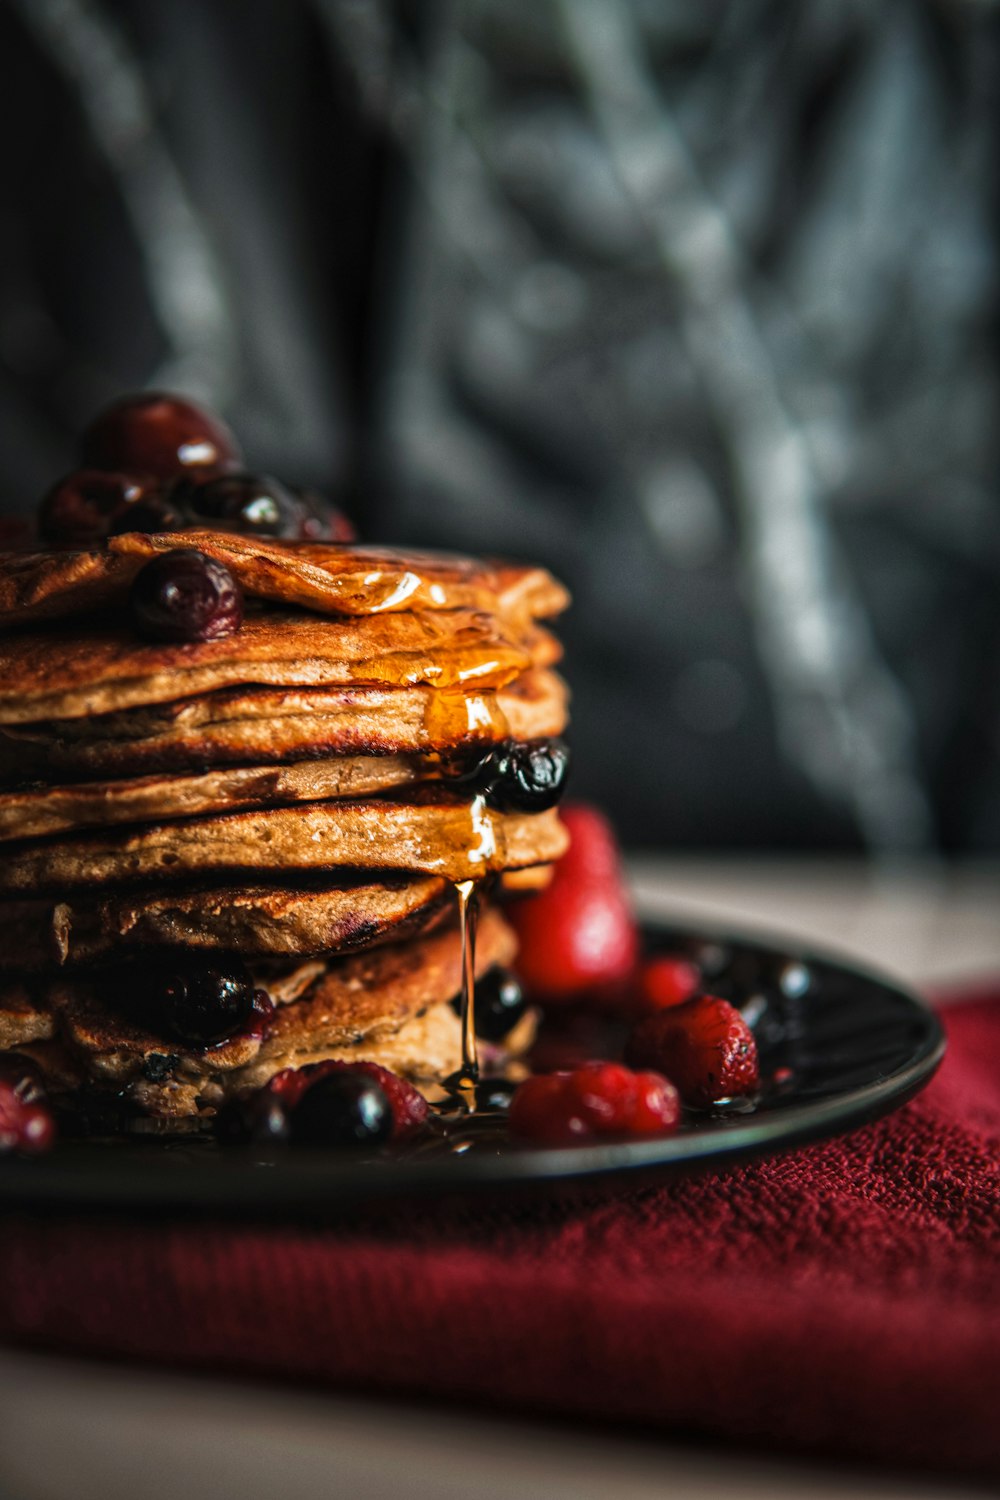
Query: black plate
[[838, 1046]]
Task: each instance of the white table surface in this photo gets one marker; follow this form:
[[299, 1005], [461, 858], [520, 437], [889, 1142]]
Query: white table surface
[[71, 1430]]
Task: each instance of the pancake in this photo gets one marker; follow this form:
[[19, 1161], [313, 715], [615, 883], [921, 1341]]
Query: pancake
[[438, 837], [316, 576], [97, 671], [40, 811], [261, 923], [260, 725], [367, 1006]]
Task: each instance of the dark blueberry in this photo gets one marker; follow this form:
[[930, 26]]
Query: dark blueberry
[[186, 596], [86, 506], [500, 1004], [160, 435], [262, 1118], [469, 768], [159, 1065], [153, 512], [528, 777], [254, 504], [199, 1003], [342, 1109], [322, 521]]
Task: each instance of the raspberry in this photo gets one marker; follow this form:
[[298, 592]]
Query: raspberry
[[25, 1123], [409, 1107], [605, 1094], [578, 938], [597, 1100], [704, 1046], [666, 980]]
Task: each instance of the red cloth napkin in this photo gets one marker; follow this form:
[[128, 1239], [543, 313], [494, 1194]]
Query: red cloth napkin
[[842, 1299]]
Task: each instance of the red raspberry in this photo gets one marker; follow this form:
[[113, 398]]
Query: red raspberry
[[542, 1111], [666, 980], [409, 1107], [600, 1099], [703, 1046], [605, 1095], [657, 1105], [25, 1124], [578, 938]]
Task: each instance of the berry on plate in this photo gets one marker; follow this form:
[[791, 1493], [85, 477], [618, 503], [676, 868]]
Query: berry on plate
[[578, 938], [408, 1105], [600, 1099], [665, 980], [704, 1046]]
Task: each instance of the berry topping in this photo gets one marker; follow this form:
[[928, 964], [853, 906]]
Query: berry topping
[[199, 1003], [600, 1099], [703, 1046], [153, 512], [408, 1105], [186, 596], [528, 777], [578, 937], [254, 504], [87, 506], [25, 1122], [322, 521], [666, 980], [500, 1004], [343, 1108], [262, 1118], [159, 435]]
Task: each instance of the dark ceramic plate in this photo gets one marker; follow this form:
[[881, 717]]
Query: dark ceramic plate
[[838, 1047]]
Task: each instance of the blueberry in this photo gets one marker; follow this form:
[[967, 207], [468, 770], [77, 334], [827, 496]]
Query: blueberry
[[254, 504], [186, 596], [199, 1003], [261, 1118], [500, 1004], [160, 435], [152, 512], [344, 1108], [85, 506], [528, 777]]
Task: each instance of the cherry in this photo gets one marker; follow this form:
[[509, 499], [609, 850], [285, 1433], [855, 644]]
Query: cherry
[[85, 506], [254, 504], [343, 1108], [199, 1003], [500, 1004], [158, 434], [186, 596]]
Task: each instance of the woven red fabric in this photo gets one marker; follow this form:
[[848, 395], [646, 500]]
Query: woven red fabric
[[841, 1299]]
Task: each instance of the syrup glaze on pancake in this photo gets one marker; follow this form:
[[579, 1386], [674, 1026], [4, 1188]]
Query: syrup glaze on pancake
[[97, 671], [317, 576], [261, 725], [441, 837], [260, 922], [354, 1009]]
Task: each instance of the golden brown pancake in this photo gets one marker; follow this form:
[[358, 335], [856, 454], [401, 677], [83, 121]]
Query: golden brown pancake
[[432, 837], [259, 922], [97, 671], [40, 811], [316, 576], [259, 725], [359, 1008]]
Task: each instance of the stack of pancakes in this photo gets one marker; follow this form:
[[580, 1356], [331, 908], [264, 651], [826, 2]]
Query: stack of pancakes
[[294, 796]]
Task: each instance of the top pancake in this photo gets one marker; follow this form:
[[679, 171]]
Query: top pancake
[[320, 577]]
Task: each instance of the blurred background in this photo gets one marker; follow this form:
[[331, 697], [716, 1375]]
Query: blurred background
[[695, 303]]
